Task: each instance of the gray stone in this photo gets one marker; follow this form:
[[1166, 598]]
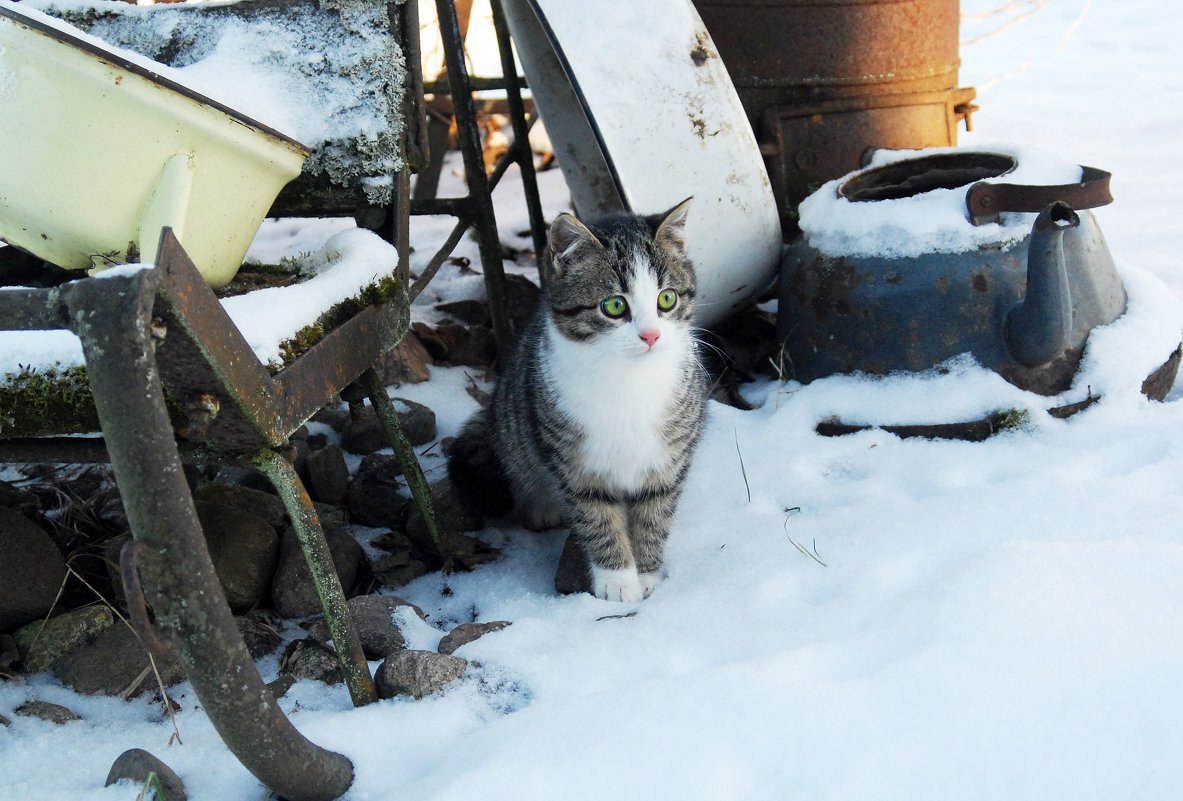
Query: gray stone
[[335, 417], [310, 659], [409, 363], [43, 710], [292, 591], [328, 474], [404, 561], [41, 647], [469, 311], [573, 574], [330, 514], [417, 673], [375, 495], [5, 721], [113, 663], [367, 435], [372, 616], [137, 764], [237, 496], [466, 633], [477, 349], [244, 548], [31, 570]]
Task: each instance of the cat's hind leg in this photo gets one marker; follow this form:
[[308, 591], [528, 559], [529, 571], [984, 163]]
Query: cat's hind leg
[[539, 511], [476, 472]]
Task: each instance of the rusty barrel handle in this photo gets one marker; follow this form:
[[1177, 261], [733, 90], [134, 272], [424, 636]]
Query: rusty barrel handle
[[985, 201]]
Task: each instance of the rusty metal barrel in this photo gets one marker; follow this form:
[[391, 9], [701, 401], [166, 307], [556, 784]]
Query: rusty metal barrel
[[823, 81]]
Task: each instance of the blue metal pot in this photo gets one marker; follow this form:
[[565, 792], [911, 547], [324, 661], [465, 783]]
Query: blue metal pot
[[1023, 309]]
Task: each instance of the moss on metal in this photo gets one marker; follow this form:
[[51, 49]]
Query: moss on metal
[[384, 290], [51, 400]]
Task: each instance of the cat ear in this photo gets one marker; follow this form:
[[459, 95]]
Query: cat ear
[[672, 230], [568, 236]]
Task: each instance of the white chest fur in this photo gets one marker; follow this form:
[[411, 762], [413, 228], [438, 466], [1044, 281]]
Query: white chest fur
[[619, 397]]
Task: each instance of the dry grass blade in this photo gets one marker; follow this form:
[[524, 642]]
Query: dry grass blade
[[742, 470], [812, 554]]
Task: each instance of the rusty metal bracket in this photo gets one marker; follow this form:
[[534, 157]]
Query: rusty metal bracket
[[137, 605], [205, 355], [985, 201]]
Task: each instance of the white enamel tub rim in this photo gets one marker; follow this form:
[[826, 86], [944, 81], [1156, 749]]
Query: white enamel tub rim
[[642, 114]]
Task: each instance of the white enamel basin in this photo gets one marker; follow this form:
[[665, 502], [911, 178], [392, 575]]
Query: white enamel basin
[[99, 151]]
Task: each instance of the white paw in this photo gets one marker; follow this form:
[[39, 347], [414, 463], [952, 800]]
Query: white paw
[[617, 585], [649, 582]]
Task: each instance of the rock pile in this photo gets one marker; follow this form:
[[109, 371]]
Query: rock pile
[[62, 608]]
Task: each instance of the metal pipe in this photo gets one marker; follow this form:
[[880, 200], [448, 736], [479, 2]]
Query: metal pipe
[[412, 471], [299, 506]]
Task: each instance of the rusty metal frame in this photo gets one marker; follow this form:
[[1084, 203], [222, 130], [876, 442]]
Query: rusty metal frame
[[149, 328], [115, 320]]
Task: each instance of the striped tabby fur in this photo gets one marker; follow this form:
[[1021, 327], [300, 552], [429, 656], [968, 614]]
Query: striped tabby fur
[[596, 416]]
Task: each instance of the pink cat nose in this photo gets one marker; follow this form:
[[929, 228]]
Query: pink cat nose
[[650, 337]]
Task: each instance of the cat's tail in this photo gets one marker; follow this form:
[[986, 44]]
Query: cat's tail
[[476, 472]]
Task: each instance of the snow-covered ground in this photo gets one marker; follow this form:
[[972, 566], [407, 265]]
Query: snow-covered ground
[[845, 618]]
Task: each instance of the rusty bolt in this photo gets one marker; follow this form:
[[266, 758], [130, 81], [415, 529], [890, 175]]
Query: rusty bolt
[[200, 411], [158, 329]]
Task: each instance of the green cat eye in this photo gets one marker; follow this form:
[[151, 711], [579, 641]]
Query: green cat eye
[[667, 300], [614, 306]]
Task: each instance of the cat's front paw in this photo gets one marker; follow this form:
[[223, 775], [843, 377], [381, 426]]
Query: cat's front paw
[[617, 585], [649, 582]]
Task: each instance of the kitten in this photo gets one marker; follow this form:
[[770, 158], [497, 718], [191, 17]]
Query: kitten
[[596, 415]]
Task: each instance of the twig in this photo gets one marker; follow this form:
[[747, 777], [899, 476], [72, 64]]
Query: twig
[[1033, 8], [1075, 23]]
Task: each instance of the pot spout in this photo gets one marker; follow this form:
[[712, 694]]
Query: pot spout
[[1037, 327]]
